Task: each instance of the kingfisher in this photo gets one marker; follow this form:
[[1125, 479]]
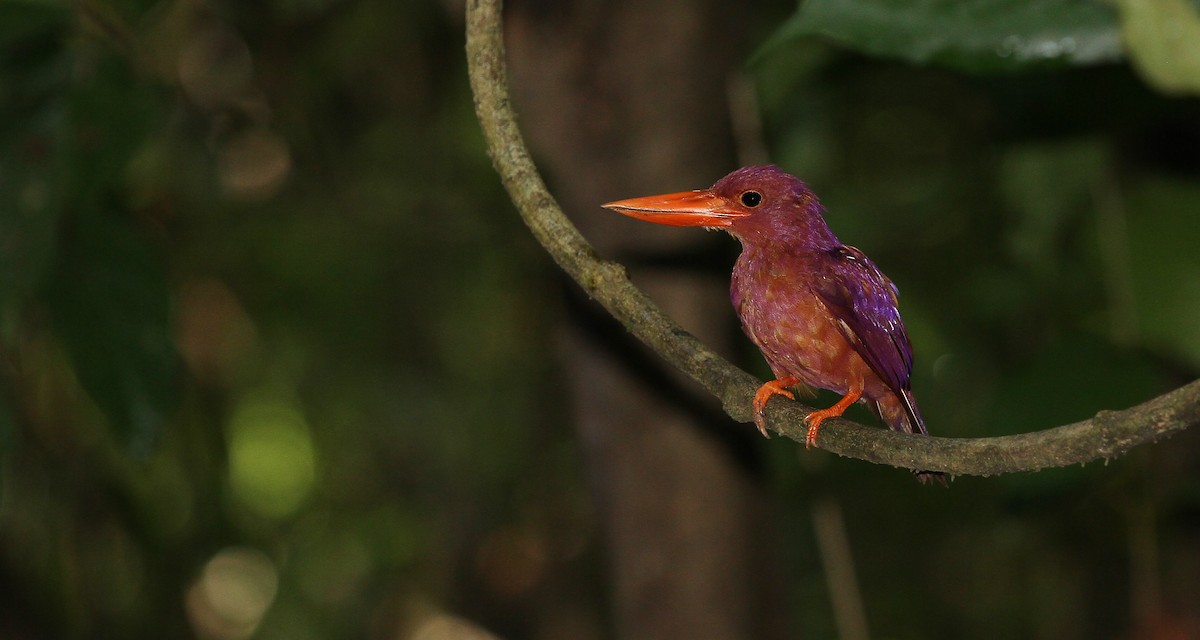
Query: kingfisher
[[822, 314]]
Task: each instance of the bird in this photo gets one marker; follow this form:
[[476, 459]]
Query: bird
[[821, 312]]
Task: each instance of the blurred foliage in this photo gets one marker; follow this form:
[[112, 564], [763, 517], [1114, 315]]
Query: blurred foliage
[[278, 357], [1161, 36], [971, 35], [257, 277], [1040, 225]]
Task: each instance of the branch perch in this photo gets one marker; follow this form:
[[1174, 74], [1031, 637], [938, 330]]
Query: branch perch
[[1107, 435]]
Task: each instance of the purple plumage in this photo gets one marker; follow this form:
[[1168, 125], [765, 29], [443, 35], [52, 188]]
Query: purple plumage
[[821, 312]]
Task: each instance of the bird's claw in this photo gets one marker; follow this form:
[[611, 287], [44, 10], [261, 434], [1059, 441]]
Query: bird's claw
[[814, 427], [814, 419], [760, 421], [764, 393]]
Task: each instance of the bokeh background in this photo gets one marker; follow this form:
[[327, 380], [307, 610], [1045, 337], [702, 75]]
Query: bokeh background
[[281, 361]]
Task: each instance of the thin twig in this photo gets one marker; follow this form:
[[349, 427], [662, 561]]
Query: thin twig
[[849, 614], [1105, 436]]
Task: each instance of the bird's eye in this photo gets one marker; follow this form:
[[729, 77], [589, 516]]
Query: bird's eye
[[751, 198]]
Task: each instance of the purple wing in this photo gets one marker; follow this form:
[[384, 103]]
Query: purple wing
[[863, 301]]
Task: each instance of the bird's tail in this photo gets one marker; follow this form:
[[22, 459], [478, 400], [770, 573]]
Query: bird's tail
[[901, 414]]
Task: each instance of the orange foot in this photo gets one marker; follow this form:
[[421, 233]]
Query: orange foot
[[772, 388], [814, 419]]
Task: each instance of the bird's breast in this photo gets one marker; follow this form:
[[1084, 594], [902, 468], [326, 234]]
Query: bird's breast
[[794, 330]]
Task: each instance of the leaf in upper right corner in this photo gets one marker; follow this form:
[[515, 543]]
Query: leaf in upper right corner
[[1163, 37], [975, 36]]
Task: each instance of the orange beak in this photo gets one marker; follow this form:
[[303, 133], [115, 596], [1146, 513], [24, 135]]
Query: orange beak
[[701, 208]]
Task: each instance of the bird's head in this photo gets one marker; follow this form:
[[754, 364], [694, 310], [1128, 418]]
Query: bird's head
[[751, 203]]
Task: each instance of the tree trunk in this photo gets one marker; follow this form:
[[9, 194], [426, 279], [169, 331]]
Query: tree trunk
[[618, 99]]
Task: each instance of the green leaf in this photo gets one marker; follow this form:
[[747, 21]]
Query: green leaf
[[1163, 37], [967, 35], [109, 300]]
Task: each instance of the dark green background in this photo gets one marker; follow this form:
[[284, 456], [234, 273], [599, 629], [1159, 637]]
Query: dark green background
[[271, 328]]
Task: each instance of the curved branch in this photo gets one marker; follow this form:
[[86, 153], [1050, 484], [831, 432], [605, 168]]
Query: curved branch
[[1106, 435]]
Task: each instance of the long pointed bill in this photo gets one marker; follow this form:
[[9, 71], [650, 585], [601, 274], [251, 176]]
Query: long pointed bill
[[701, 208]]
